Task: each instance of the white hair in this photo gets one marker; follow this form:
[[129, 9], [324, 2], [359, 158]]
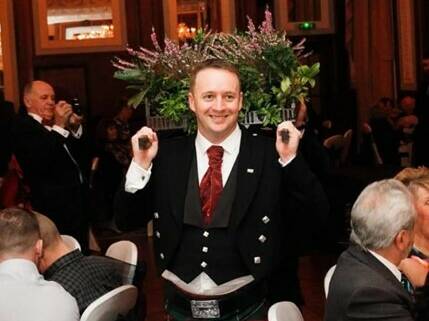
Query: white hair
[[381, 211]]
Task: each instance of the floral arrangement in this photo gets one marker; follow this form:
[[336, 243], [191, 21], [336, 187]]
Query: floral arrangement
[[272, 74]]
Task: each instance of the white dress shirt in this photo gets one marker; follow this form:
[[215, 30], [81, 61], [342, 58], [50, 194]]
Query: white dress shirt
[[58, 129], [25, 295]]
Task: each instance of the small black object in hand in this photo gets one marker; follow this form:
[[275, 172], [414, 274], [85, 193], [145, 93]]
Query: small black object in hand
[[144, 142], [284, 133], [76, 107]]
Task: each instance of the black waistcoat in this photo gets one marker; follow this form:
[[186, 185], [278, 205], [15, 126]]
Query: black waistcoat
[[211, 249]]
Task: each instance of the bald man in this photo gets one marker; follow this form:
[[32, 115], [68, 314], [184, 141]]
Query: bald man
[[86, 278], [47, 146]]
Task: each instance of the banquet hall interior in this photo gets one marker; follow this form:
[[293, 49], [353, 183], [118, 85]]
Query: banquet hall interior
[[372, 53]]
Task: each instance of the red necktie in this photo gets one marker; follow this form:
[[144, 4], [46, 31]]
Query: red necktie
[[211, 184]]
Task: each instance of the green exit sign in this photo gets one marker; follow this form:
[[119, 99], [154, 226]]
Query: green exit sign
[[307, 25]]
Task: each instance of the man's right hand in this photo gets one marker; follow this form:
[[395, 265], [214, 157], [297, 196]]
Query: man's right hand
[[63, 112], [144, 157]]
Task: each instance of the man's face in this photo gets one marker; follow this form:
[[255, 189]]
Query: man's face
[[41, 100], [216, 101]]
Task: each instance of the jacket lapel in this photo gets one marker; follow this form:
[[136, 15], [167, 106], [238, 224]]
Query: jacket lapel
[[177, 178], [380, 268], [250, 161]]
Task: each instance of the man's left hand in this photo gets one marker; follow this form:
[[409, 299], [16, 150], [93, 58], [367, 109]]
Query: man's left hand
[[75, 121], [287, 150]]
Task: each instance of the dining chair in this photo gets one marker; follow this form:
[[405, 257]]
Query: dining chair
[[115, 303], [327, 279], [125, 251], [284, 311], [71, 241], [346, 148]]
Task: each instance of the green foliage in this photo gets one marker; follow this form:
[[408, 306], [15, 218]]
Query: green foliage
[[271, 71]]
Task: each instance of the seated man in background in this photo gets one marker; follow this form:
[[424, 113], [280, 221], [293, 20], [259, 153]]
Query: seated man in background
[[417, 181], [24, 294], [86, 278], [366, 284]]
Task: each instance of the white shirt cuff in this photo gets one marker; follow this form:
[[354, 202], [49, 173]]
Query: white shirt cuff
[[78, 132], [283, 164], [137, 177], [61, 131]]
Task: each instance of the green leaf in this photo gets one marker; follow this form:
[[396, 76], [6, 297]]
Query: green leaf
[[137, 99], [285, 84]]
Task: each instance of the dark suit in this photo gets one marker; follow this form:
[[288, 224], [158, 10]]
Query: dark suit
[[7, 115], [55, 179], [266, 206], [362, 288]]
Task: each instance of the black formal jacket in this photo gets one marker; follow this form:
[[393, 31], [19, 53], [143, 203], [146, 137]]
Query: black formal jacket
[[53, 177], [362, 288], [270, 200]]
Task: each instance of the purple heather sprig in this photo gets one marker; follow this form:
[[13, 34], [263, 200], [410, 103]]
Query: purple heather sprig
[[267, 25]]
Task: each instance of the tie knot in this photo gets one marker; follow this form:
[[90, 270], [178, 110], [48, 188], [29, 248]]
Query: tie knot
[[215, 154]]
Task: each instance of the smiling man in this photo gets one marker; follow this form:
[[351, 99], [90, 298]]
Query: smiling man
[[217, 201]]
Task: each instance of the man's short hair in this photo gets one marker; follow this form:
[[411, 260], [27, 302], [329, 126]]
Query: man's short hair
[[19, 230], [48, 230], [215, 64], [28, 88], [382, 210]]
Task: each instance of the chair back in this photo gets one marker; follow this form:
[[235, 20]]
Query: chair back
[[366, 128], [346, 148], [284, 311], [334, 142], [327, 279], [125, 251], [117, 302], [339, 147], [71, 242]]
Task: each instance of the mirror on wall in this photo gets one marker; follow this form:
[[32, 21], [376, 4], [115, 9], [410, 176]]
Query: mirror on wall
[[65, 26], [305, 17], [182, 18]]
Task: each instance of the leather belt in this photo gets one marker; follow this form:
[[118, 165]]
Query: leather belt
[[214, 307]]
